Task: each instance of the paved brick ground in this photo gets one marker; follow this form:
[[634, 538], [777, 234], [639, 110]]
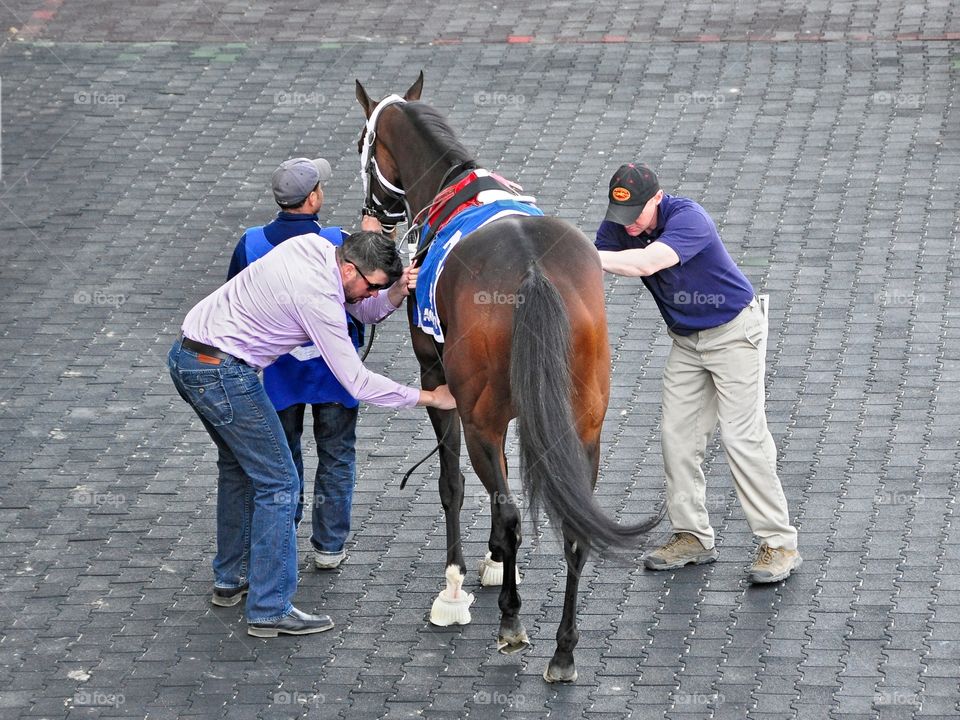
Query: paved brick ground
[[824, 138]]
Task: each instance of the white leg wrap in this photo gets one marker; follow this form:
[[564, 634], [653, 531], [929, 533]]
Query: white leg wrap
[[452, 606], [491, 573]]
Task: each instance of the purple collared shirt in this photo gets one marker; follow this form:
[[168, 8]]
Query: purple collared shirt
[[292, 295]]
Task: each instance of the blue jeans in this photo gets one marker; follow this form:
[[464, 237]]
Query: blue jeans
[[257, 485], [335, 431]]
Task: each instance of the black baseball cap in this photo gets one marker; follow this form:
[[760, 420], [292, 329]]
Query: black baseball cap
[[631, 187]]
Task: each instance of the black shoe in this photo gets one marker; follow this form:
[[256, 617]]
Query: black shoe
[[294, 622], [228, 597]]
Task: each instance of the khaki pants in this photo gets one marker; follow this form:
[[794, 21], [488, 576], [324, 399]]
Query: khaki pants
[[718, 375]]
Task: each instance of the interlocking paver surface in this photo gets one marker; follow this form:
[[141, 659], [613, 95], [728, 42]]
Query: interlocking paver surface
[[137, 143]]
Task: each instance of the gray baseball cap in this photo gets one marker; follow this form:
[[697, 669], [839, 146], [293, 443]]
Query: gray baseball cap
[[296, 178]]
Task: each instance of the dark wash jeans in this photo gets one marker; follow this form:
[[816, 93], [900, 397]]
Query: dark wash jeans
[[335, 431], [257, 486]]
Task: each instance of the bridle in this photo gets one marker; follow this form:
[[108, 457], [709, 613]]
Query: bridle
[[376, 206], [382, 208]]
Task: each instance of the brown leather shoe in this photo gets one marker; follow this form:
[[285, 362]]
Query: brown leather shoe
[[773, 564], [681, 549]]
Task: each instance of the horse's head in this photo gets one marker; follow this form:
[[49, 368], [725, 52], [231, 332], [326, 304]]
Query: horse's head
[[384, 195]]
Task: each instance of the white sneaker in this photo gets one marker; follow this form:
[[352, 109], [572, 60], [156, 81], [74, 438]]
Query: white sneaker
[[328, 560]]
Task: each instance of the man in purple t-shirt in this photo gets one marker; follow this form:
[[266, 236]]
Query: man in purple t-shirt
[[714, 373]]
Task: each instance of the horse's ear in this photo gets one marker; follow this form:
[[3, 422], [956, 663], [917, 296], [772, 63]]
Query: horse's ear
[[365, 102], [414, 92]]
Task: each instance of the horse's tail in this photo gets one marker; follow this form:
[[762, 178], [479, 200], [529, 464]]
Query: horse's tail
[[555, 470]]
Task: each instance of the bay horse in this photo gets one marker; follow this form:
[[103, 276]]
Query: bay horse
[[543, 358]]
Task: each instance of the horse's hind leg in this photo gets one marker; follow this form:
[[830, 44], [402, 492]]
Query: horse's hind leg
[[486, 453], [562, 667]]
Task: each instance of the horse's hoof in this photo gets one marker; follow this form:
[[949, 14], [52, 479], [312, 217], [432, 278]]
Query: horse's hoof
[[452, 606], [511, 648], [557, 674], [491, 572], [447, 612], [508, 644]]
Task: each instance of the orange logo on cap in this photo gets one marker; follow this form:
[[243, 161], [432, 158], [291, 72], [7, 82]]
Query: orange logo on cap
[[620, 194]]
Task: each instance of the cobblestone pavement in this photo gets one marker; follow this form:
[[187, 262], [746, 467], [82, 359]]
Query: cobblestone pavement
[[137, 142]]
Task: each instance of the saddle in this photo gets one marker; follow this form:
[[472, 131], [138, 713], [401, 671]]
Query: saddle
[[462, 194]]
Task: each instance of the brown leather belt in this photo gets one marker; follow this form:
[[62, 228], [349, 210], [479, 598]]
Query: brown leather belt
[[207, 353]]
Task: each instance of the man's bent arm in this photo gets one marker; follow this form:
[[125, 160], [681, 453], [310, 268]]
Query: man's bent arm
[[639, 262]]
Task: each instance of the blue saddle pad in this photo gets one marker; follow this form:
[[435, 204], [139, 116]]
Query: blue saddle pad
[[450, 234]]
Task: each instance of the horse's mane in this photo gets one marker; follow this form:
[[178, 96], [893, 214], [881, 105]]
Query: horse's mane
[[433, 126]]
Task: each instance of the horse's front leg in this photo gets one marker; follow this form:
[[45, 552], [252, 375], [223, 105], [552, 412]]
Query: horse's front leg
[[446, 426], [491, 566]]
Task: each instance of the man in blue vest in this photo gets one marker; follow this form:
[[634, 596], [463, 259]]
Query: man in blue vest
[[302, 377], [713, 375]]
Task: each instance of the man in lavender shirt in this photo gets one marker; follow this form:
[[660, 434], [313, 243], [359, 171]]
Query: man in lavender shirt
[[294, 294]]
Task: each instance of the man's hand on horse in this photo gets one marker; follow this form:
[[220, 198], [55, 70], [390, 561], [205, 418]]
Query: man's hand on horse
[[439, 398], [402, 287], [410, 273]]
